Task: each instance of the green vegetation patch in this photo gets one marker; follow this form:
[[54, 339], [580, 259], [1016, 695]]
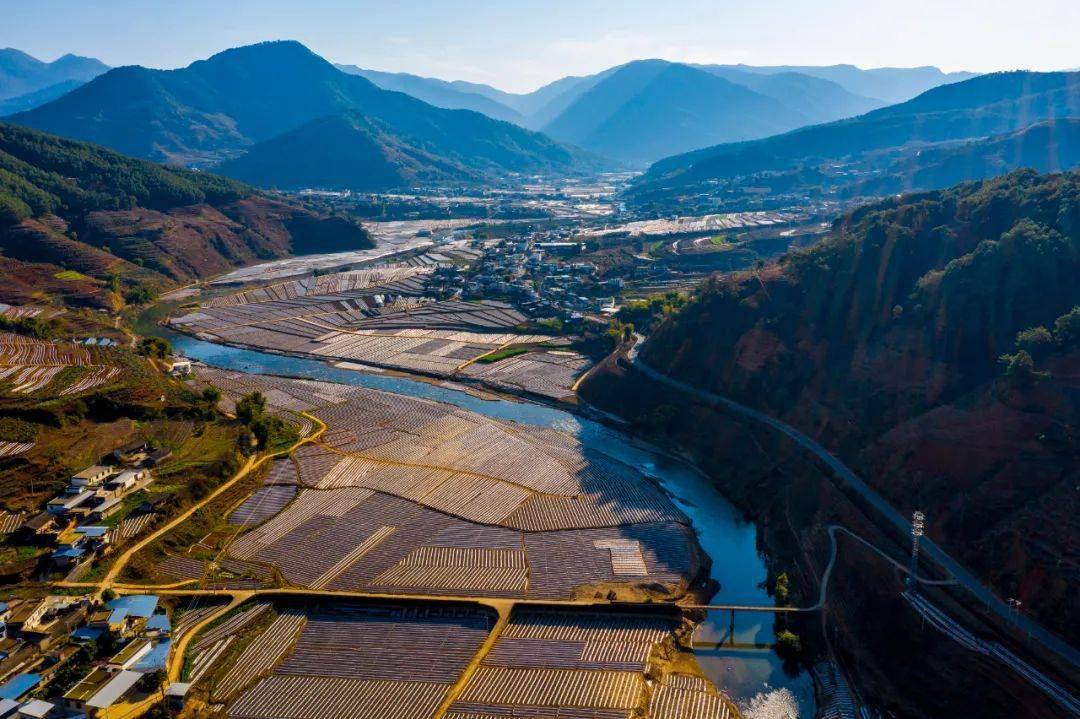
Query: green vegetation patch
[[13, 429], [502, 354], [70, 275]]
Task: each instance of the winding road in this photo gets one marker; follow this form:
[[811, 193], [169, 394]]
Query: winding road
[[961, 575]]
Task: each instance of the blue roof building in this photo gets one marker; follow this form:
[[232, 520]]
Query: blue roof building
[[159, 623], [19, 685], [86, 634], [155, 659], [137, 605]]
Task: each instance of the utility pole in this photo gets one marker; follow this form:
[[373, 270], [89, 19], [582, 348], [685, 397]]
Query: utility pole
[[918, 526], [1014, 609]]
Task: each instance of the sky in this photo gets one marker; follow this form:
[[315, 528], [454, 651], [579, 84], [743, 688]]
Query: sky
[[519, 46]]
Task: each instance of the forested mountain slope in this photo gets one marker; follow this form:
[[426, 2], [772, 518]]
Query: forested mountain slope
[[88, 225], [1050, 146], [933, 341]]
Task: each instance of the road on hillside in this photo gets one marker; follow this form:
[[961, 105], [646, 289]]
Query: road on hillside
[[962, 576]]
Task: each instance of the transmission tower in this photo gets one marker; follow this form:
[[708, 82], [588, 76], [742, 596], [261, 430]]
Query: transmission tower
[[918, 525]]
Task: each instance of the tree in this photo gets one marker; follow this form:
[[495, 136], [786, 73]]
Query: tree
[[155, 347], [1067, 328], [152, 681], [788, 645], [1019, 367], [250, 407], [266, 428], [782, 589], [1037, 341]]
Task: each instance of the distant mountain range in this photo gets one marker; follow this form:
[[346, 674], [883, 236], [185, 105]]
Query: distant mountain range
[[645, 110], [26, 82], [217, 109], [973, 109], [440, 93], [886, 85], [266, 113]]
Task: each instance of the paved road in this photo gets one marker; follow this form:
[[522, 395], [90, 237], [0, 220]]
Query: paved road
[[1035, 630]]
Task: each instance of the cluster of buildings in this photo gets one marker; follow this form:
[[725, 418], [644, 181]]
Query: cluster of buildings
[[540, 272], [109, 646], [74, 523]]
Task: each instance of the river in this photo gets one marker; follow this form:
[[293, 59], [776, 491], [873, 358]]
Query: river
[[755, 678]]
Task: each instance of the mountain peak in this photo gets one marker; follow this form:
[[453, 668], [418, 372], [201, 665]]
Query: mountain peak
[[268, 50]]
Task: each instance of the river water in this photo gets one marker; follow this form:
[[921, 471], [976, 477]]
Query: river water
[[753, 677]]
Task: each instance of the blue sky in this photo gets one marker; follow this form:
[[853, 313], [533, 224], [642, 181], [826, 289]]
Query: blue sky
[[520, 45]]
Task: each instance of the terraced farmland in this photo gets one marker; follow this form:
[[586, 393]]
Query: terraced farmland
[[377, 317], [29, 366], [403, 495]]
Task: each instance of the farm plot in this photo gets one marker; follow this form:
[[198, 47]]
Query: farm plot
[[355, 539], [394, 478], [685, 697], [369, 662], [572, 664], [186, 617], [133, 526], [352, 281], [232, 625], [550, 373], [296, 395], [377, 317], [561, 562], [9, 522], [96, 377], [263, 503], [10, 449], [183, 568], [28, 365], [261, 655]]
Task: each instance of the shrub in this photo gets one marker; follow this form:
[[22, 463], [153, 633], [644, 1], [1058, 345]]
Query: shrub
[[788, 645], [1067, 328], [1037, 341]]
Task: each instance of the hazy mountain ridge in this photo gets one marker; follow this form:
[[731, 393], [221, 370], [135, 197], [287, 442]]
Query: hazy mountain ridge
[[22, 74], [976, 108], [592, 111], [215, 109], [887, 85], [439, 93], [646, 109], [344, 151]]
